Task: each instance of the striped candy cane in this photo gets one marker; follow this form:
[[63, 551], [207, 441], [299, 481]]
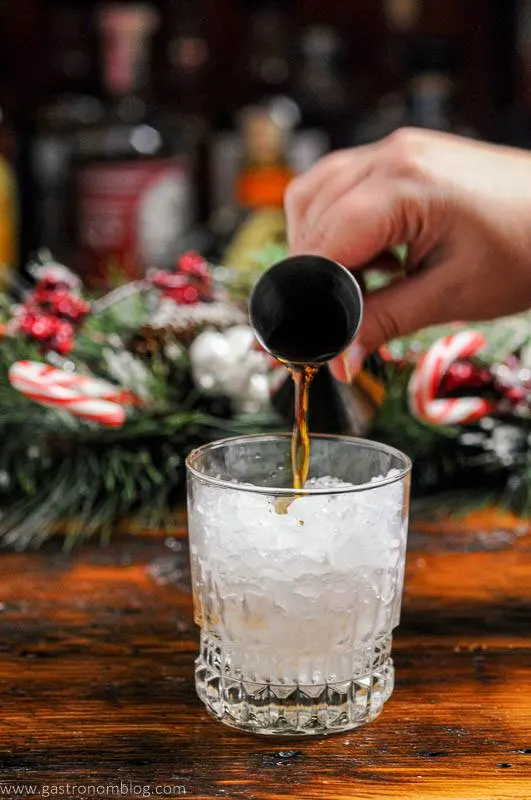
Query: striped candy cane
[[427, 377], [82, 396]]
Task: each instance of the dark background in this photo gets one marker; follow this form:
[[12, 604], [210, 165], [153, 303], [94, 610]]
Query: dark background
[[484, 33], [50, 48]]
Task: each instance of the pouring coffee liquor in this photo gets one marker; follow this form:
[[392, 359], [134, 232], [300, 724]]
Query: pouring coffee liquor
[[305, 310], [298, 606]]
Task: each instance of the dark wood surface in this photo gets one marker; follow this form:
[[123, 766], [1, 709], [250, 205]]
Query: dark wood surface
[[96, 686]]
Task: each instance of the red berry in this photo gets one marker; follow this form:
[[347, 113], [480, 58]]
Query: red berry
[[463, 375], [63, 341], [160, 279], [40, 295], [63, 305], [516, 395], [168, 280], [68, 305], [188, 295], [192, 263], [26, 323], [64, 329], [43, 327], [63, 346]]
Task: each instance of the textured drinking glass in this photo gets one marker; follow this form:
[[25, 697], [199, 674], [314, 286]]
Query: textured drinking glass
[[296, 592]]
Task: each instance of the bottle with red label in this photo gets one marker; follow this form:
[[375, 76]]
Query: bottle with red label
[[131, 179]]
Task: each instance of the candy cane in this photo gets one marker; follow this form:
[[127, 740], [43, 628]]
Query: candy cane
[[87, 398], [427, 377]]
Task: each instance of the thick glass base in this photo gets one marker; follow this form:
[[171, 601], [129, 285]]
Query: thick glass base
[[282, 709]]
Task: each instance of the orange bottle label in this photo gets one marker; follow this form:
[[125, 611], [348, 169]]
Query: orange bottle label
[[8, 227], [263, 186]]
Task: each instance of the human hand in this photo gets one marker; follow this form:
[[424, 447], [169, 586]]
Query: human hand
[[462, 207]]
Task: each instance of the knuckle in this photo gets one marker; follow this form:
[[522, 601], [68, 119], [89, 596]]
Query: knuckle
[[405, 151], [402, 137], [334, 158]]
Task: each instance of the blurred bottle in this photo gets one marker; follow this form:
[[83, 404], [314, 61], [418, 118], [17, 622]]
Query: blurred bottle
[[266, 58], [261, 142], [321, 86], [303, 87], [73, 105], [428, 97], [132, 179], [264, 172], [9, 229], [389, 114], [252, 235], [185, 88], [512, 124], [431, 90], [401, 16], [265, 78], [261, 71]]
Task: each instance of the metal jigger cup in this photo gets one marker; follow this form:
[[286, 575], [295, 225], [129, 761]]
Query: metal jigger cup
[[306, 309]]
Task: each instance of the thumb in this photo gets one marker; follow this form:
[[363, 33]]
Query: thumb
[[404, 307]]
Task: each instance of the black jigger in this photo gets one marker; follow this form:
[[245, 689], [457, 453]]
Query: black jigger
[[306, 309]]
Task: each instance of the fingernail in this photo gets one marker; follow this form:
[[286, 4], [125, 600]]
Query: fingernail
[[347, 365]]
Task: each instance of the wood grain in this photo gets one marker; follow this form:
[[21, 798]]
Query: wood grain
[[96, 666]]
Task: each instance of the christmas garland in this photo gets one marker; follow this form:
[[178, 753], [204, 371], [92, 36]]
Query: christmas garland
[[100, 400], [458, 399]]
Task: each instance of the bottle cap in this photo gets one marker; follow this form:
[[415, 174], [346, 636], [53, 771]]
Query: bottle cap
[[306, 309]]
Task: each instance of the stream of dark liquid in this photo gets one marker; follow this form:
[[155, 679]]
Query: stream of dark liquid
[[302, 375]]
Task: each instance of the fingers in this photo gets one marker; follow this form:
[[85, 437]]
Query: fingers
[[301, 189], [331, 192], [309, 195], [459, 207], [359, 224], [422, 299], [356, 203]]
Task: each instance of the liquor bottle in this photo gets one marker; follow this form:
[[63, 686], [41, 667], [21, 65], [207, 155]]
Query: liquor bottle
[[264, 173], [301, 147], [512, 122], [251, 227], [401, 16], [432, 85], [131, 181], [9, 229], [266, 61], [304, 98], [321, 88], [428, 98], [263, 77], [185, 81], [73, 104]]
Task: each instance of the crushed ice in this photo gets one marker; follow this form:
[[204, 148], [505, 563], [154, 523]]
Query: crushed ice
[[319, 577]]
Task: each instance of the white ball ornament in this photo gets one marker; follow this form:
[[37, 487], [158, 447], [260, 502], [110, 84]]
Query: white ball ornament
[[227, 363], [241, 340], [210, 356]]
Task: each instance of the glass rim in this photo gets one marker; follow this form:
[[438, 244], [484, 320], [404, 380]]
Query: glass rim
[[197, 452]]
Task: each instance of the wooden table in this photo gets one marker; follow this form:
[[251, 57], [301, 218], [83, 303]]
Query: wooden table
[[96, 666]]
